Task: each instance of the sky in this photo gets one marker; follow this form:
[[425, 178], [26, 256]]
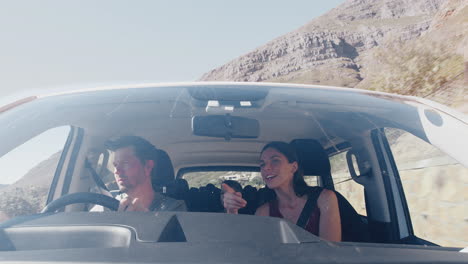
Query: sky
[[50, 46]]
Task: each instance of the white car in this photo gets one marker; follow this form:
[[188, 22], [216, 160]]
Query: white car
[[398, 165]]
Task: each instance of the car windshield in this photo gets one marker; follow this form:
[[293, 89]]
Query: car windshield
[[201, 155]]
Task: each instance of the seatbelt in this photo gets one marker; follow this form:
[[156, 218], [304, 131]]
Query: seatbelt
[[95, 176], [309, 207]]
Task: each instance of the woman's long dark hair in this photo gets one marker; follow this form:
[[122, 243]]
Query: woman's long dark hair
[[300, 186]]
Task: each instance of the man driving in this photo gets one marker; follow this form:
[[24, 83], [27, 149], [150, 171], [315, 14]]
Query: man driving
[[135, 162]]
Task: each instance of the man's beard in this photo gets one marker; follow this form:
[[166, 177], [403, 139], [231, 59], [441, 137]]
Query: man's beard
[[123, 189]]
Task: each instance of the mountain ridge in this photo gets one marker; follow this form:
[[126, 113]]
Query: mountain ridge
[[339, 47], [328, 37]]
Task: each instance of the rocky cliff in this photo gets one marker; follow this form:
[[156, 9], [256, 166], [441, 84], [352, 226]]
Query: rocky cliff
[[339, 47]]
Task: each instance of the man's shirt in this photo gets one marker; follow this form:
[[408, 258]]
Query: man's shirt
[[160, 203], [165, 203]]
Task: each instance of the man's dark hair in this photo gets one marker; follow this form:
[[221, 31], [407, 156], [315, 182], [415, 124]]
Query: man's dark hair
[[162, 171], [144, 150]]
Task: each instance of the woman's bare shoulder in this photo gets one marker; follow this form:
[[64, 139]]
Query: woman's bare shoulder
[[326, 198]]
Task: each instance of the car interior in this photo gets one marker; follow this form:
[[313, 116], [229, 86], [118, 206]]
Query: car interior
[[222, 128]]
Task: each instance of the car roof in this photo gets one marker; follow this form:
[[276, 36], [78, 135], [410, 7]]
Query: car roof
[[162, 113]]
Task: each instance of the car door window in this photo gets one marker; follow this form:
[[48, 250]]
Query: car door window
[[435, 187], [101, 165], [345, 185], [28, 172]]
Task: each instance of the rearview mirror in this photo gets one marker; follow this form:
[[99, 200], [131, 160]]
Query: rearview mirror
[[225, 126]]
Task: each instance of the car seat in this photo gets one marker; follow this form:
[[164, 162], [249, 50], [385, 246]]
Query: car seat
[[249, 193], [315, 162], [164, 173], [193, 200], [181, 189]]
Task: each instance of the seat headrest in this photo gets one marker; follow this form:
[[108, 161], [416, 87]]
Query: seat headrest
[[312, 157], [164, 170], [182, 184]]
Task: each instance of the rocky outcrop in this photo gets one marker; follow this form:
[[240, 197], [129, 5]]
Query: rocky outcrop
[[334, 41], [430, 66]]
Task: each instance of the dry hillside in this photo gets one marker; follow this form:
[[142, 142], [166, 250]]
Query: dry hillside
[[28, 195], [402, 46]]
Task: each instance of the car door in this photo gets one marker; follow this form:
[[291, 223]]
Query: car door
[[426, 190]]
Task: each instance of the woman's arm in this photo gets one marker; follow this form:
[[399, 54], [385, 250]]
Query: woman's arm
[[263, 210], [232, 200], [330, 221]]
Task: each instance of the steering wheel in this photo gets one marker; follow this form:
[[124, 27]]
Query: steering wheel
[[82, 197]]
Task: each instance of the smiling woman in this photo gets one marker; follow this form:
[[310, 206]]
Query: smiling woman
[[314, 209]]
